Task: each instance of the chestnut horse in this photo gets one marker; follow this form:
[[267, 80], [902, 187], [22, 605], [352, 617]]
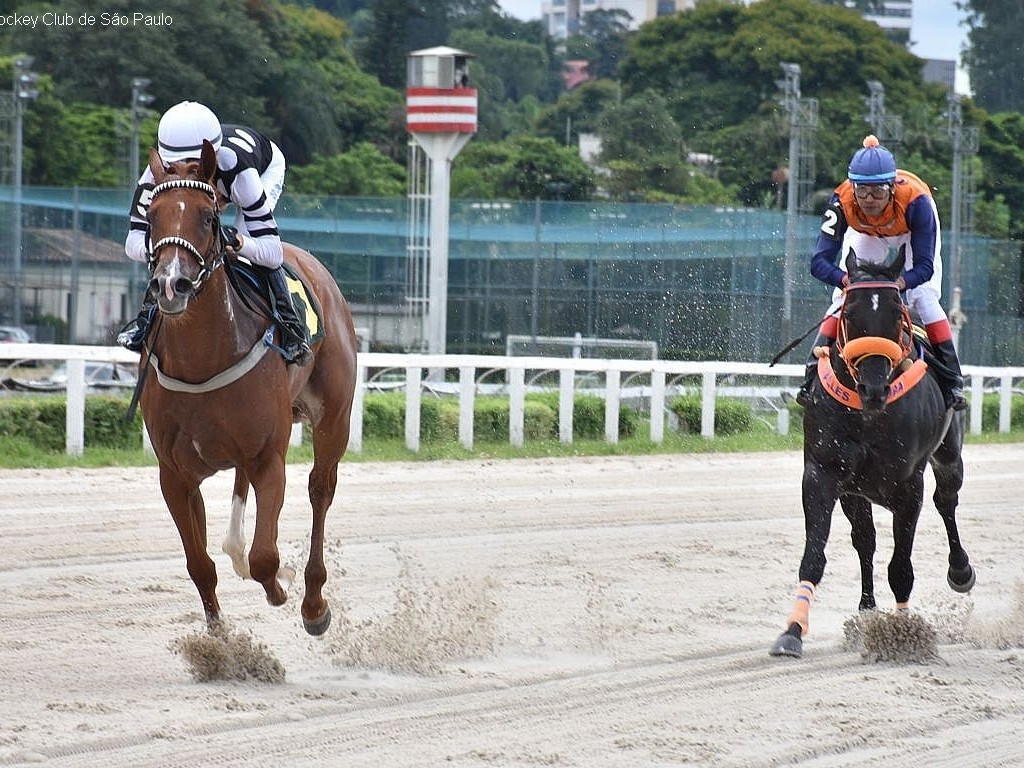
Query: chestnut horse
[[221, 398], [875, 421]]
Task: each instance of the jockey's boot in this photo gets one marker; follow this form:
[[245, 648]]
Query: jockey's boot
[[948, 373], [293, 330], [803, 396], [133, 335]]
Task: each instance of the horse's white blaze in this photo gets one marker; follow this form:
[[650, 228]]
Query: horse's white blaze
[[171, 275], [874, 302], [234, 539]]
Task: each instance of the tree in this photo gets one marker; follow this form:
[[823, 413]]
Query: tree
[[363, 171], [521, 168], [994, 58], [601, 41]]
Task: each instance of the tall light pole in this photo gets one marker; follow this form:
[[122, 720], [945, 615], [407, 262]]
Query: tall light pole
[[24, 80], [139, 101]]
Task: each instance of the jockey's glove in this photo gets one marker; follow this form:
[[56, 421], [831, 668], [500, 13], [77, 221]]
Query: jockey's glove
[[230, 236]]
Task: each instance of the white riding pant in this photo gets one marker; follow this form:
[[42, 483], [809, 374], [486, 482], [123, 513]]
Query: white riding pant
[[922, 300]]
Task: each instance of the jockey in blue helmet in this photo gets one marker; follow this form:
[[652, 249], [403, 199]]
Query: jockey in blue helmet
[[877, 208]]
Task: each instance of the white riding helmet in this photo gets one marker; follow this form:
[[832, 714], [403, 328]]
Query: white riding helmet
[[182, 130]]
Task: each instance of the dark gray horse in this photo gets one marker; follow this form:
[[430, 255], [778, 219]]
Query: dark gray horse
[[875, 421]]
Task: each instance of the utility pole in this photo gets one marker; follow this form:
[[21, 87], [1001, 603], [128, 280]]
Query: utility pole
[[140, 100], [803, 118], [23, 90], [887, 127], [965, 143]]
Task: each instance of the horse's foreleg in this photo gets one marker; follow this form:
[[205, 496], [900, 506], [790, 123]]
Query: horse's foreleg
[[906, 510], [948, 481], [264, 558], [323, 480], [234, 539], [819, 496], [189, 514], [862, 532]]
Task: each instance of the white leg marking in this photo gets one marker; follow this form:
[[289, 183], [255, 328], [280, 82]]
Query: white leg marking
[[234, 539], [285, 577]]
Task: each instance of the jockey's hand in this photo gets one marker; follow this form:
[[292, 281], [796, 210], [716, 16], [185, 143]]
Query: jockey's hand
[[232, 240], [901, 283], [846, 280]]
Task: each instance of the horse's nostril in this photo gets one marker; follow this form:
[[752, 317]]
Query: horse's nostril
[[154, 287], [182, 286]]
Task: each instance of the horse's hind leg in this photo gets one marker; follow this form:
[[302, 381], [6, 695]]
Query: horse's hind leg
[[948, 467], [234, 539], [189, 514], [862, 532]]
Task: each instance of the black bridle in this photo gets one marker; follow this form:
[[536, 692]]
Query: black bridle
[[855, 350], [206, 267]]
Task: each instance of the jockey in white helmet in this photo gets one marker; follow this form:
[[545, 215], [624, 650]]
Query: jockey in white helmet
[[250, 174]]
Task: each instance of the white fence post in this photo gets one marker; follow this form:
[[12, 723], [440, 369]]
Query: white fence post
[[707, 404], [412, 408], [516, 406], [74, 418], [611, 405], [566, 398], [657, 406], [467, 398], [355, 434]]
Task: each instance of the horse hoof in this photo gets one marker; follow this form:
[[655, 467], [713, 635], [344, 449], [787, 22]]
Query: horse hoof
[[789, 643], [961, 580], [318, 626]]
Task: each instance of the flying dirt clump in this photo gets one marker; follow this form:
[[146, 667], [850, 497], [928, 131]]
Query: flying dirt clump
[[223, 653]]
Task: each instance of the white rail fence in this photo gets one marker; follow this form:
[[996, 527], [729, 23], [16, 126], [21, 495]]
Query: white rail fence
[[421, 373]]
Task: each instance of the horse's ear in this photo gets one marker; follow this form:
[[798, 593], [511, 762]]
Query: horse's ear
[[853, 268], [207, 162], [156, 165]]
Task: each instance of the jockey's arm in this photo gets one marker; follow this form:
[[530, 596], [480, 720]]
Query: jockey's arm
[[924, 224], [261, 242], [825, 258], [136, 243]]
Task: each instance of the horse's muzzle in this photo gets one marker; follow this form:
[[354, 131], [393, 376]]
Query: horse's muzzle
[[172, 294], [873, 397]]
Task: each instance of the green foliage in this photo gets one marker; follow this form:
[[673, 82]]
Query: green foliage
[[41, 421], [731, 416], [361, 172], [994, 59], [588, 415], [522, 168]]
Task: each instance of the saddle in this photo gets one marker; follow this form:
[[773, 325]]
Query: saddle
[[250, 282]]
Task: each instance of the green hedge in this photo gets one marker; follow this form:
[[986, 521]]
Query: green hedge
[[42, 421], [731, 416]]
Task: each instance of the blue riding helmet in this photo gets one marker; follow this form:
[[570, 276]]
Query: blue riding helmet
[[874, 164]]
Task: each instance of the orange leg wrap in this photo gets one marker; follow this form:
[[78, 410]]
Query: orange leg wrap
[[802, 607]]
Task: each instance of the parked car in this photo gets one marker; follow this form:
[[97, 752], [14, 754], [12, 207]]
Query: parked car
[[12, 334], [99, 375]]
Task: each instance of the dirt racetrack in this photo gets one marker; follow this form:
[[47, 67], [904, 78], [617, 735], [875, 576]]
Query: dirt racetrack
[[593, 612]]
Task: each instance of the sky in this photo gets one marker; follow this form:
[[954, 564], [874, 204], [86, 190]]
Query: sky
[[935, 30]]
